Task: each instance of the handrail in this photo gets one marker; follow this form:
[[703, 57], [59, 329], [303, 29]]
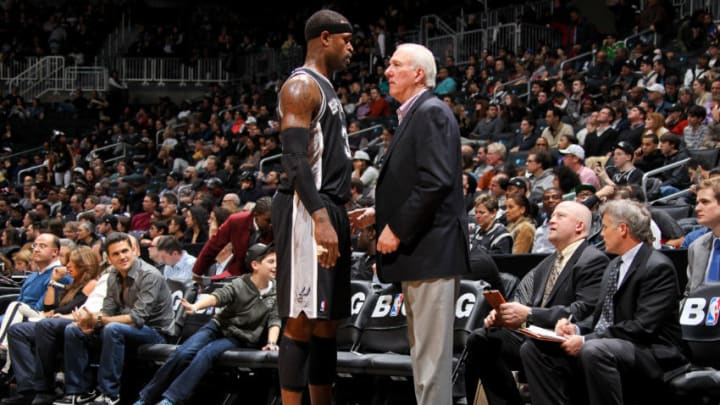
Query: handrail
[[660, 170], [160, 131], [28, 169], [267, 159], [233, 108], [577, 57], [115, 145], [262, 162], [362, 131], [25, 152], [638, 35]]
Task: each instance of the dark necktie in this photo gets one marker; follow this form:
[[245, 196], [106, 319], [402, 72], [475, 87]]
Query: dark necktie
[[607, 313], [713, 274], [552, 277]]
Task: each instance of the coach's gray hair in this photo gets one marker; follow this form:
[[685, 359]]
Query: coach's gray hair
[[423, 59], [631, 213]]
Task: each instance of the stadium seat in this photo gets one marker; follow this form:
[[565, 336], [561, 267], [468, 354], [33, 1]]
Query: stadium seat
[[699, 383], [510, 282], [707, 158]]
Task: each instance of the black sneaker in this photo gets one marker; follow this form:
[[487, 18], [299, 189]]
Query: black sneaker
[[44, 398], [77, 399], [19, 399]]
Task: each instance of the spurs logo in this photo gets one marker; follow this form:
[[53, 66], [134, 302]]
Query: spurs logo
[[300, 296]]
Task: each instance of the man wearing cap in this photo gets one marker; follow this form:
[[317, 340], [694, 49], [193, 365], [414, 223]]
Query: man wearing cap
[[656, 98], [675, 120], [622, 171], [517, 185], [107, 225], [365, 171], [249, 310], [574, 158]]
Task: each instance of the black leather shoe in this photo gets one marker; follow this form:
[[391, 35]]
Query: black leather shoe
[[19, 399]]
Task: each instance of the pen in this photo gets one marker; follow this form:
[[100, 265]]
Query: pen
[[570, 318]]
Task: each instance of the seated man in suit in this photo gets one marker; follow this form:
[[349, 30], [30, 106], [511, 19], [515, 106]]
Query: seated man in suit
[[565, 283], [634, 330], [704, 252]]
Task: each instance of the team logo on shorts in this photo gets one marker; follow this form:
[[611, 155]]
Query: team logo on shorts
[[302, 294]]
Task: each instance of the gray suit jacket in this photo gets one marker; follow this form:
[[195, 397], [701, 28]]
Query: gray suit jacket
[[698, 257]]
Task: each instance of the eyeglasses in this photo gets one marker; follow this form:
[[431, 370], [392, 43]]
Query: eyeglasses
[[39, 245]]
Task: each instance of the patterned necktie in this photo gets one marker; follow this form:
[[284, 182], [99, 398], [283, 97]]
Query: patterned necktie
[[607, 314], [713, 274], [552, 278]]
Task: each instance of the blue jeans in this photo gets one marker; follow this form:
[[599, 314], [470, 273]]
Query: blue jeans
[[34, 349], [112, 339], [186, 366]]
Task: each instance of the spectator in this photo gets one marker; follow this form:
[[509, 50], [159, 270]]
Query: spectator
[[489, 126], [250, 312], [678, 178], [555, 127], [539, 170], [649, 157], [622, 171], [489, 235], [178, 262], [599, 143], [29, 340], [541, 243], [520, 213], [241, 229], [141, 221], [574, 157], [133, 313], [525, 139], [197, 225], [696, 130], [365, 171]]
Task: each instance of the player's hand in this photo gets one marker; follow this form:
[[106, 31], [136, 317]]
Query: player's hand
[[326, 238]]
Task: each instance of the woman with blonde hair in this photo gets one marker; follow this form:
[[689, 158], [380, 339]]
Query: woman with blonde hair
[[26, 338], [655, 124], [61, 299]]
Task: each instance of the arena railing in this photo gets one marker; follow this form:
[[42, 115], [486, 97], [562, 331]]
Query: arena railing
[[172, 70], [28, 170], [659, 170]]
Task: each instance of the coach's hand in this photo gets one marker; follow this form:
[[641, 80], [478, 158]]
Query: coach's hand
[[326, 238], [388, 242]]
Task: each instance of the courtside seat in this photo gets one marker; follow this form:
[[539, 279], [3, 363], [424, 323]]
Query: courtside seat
[[383, 341], [699, 383], [510, 282], [161, 351]]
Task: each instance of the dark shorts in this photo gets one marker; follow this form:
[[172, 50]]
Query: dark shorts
[[333, 284]]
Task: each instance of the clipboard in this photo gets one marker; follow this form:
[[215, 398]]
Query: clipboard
[[539, 333]]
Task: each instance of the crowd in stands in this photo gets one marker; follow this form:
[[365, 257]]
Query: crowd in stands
[[586, 132]]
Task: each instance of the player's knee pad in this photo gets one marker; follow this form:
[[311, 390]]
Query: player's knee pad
[[291, 364], [323, 360]]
